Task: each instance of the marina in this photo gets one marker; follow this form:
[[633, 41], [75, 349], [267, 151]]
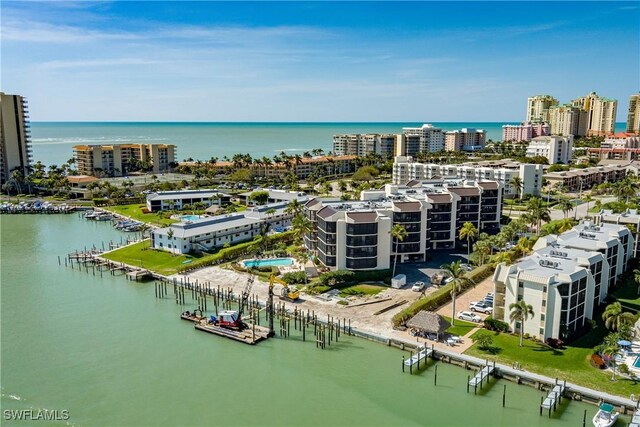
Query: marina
[[346, 353]]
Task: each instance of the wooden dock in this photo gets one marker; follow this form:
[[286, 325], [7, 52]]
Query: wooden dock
[[251, 335]]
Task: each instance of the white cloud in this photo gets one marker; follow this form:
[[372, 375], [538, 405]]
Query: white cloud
[[89, 63]]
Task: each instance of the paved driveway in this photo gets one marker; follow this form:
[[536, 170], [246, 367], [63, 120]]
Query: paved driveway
[[418, 271]]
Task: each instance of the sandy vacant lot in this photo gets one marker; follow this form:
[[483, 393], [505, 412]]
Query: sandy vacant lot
[[362, 317]]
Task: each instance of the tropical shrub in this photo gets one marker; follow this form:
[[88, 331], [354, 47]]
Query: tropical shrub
[[554, 342], [294, 277], [496, 325], [597, 362]]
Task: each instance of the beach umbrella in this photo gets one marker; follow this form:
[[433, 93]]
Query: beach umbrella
[[624, 343]]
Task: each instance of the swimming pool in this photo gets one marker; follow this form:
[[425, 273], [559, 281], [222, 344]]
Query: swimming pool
[[267, 262], [636, 363], [190, 217]]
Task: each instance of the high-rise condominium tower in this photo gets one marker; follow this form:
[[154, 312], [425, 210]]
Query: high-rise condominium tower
[[15, 150]]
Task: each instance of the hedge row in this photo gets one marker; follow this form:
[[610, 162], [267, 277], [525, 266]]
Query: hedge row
[[233, 252], [440, 297], [344, 277]]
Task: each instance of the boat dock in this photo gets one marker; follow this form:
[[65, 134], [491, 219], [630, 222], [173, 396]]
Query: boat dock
[[482, 375], [251, 335], [422, 354], [553, 398]]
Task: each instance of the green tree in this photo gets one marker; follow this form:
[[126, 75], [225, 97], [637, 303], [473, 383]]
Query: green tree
[[301, 226], [398, 233], [614, 318], [468, 232], [516, 183], [610, 350], [520, 312], [566, 206], [484, 341], [537, 212], [459, 280], [259, 197]]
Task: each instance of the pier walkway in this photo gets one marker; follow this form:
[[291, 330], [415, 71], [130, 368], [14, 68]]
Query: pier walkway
[[553, 398], [482, 375]]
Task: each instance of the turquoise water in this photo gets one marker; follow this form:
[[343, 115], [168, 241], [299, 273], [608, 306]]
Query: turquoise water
[[636, 363], [268, 262], [110, 353], [190, 217], [53, 142]]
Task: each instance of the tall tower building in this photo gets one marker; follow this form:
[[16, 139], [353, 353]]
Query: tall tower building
[[601, 113], [15, 136], [538, 106], [633, 118], [567, 120]]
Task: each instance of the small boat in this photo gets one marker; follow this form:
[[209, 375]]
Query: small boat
[[605, 417]]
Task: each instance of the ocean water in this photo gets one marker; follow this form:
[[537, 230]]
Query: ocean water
[[111, 354], [53, 142]]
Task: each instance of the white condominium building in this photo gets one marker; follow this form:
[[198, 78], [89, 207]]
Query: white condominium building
[[557, 149], [466, 139], [628, 218], [15, 135], [354, 235], [633, 115], [601, 113], [169, 200], [425, 139], [537, 107], [565, 279], [362, 144], [214, 232], [406, 169], [561, 284]]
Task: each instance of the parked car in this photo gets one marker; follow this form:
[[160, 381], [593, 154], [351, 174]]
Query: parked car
[[481, 307], [466, 267], [469, 316], [418, 286]]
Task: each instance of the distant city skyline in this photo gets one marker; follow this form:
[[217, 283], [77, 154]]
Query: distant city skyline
[[314, 62]]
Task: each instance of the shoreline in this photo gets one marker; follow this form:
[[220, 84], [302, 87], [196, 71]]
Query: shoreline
[[386, 335]]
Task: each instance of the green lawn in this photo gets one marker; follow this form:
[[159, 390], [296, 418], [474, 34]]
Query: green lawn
[[362, 289], [571, 363], [135, 211], [627, 293], [461, 328], [140, 255]]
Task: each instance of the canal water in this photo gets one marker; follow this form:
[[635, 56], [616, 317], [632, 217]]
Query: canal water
[[111, 354]]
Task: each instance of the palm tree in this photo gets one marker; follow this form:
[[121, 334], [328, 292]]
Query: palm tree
[[636, 277], [538, 212], [460, 280], [301, 226], [516, 182], [588, 199], [398, 233], [468, 231], [520, 312], [566, 206], [614, 318], [294, 207], [610, 350], [483, 249]]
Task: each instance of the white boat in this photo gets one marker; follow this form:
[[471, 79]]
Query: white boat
[[605, 417]]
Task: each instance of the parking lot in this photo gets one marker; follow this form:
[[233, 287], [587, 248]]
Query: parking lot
[[423, 271]]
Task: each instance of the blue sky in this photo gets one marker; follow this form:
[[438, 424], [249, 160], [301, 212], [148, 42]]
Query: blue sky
[[295, 61]]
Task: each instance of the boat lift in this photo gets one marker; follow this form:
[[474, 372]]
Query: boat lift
[[480, 377], [553, 398]]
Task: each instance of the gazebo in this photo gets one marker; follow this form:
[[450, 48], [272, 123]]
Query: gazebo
[[428, 322]]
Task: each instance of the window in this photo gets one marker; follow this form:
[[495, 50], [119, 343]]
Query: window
[[541, 317], [541, 331], [544, 302], [520, 285]]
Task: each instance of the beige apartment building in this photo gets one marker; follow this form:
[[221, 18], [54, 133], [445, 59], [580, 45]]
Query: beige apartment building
[[465, 139], [425, 139], [567, 120], [633, 117], [601, 113], [538, 106], [118, 159], [362, 144], [15, 148]]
